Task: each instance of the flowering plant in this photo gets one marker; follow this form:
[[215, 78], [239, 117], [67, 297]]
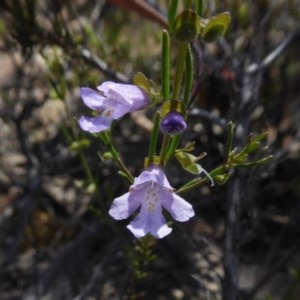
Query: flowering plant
[[151, 193]]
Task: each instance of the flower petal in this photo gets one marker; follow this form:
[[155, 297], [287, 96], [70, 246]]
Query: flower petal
[[159, 227], [153, 174], [179, 209], [96, 124], [92, 99], [126, 94], [145, 177], [124, 206], [153, 223], [118, 110]]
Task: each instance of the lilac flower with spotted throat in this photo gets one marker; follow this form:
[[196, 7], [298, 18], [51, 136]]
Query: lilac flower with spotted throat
[[151, 192], [112, 101]]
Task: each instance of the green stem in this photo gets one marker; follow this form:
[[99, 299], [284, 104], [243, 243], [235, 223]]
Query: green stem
[[70, 138], [107, 141], [179, 70], [229, 142], [173, 146], [67, 135], [164, 149], [166, 152], [86, 167], [200, 181], [124, 169], [191, 185], [154, 135]]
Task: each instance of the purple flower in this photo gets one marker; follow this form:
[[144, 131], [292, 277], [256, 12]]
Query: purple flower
[[173, 123], [113, 101], [151, 192]]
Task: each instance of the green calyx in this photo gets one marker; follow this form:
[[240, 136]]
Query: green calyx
[[173, 105], [152, 160], [141, 81], [189, 161]]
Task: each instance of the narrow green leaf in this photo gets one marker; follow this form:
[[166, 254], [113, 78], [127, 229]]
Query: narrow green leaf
[[254, 146], [229, 142], [259, 162], [240, 158], [264, 160], [199, 7], [260, 137], [173, 146], [188, 76], [124, 175], [172, 13], [154, 135], [166, 65]]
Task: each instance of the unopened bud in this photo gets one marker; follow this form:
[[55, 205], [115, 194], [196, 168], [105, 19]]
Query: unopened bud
[[187, 26], [173, 123]]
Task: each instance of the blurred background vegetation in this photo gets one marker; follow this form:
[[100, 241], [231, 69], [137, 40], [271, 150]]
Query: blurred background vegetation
[[56, 239]]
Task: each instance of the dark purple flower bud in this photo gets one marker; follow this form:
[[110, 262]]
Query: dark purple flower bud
[[173, 123]]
